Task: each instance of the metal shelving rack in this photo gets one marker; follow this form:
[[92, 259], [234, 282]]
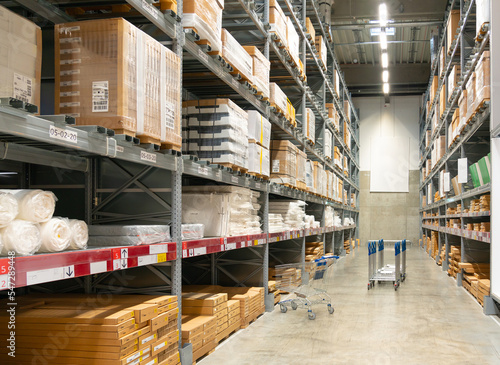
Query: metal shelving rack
[[473, 142], [111, 173]]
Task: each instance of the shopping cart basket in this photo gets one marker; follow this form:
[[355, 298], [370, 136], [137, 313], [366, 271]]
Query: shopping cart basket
[[306, 283], [378, 271]]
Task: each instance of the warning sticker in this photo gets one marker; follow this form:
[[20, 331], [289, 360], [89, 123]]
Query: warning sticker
[[100, 96], [23, 88]]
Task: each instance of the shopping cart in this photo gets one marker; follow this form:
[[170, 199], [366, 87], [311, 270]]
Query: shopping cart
[[306, 284], [378, 271]]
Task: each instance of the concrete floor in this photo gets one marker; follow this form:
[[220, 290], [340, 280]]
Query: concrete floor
[[429, 320]]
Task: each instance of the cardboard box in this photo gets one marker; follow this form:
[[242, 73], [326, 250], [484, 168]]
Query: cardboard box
[[452, 79], [471, 96], [452, 26], [283, 162], [258, 159], [434, 88], [144, 312], [277, 22], [301, 167], [237, 56], [21, 57], [462, 105], [310, 30], [327, 144], [483, 77], [192, 325], [277, 97], [261, 70], [321, 48], [292, 40], [203, 299], [310, 126], [347, 110]]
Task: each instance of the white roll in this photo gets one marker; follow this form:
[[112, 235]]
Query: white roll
[[79, 234], [22, 237], [9, 209], [56, 235], [34, 205]]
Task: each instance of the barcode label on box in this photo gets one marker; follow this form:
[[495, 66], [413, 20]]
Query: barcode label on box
[[70, 40], [170, 115], [23, 88], [63, 134], [146, 156], [150, 9], [70, 50], [70, 83], [70, 72], [69, 105], [276, 165], [71, 62], [68, 30], [70, 93], [100, 96]]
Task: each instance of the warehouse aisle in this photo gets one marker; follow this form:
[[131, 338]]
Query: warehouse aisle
[[427, 321]]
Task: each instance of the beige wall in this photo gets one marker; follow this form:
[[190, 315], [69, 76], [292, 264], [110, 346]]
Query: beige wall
[[391, 216]]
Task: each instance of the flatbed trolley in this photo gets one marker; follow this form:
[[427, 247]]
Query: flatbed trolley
[[291, 278], [378, 272]]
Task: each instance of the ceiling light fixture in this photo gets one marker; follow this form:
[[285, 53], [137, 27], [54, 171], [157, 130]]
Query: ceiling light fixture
[[385, 76], [385, 60], [382, 11], [386, 88], [383, 41]]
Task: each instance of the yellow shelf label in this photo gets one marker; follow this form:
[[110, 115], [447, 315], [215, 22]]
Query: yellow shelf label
[[162, 257], [256, 242]]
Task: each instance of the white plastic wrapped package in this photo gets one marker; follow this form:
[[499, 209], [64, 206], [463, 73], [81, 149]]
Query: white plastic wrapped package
[[210, 32], [8, 209], [337, 222], [56, 235], [329, 214], [327, 144], [258, 159], [132, 235], [310, 175], [291, 210], [34, 205], [277, 96], [193, 231], [348, 221], [293, 40], [22, 237], [277, 224], [277, 21], [259, 128], [310, 125], [79, 234], [236, 55]]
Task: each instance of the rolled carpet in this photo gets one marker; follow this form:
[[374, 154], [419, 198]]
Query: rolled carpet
[[9, 209], [56, 235], [34, 205], [79, 234], [22, 237]]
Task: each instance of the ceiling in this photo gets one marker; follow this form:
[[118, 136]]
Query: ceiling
[[358, 52]]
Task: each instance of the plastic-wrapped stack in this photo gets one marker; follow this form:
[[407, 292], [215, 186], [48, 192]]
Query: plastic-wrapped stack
[[224, 210], [283, 162], [337, 221], [205, 17], [110, 73], [259, 138], [261, 69], [193, 231], [133, 235], [327, 144], [291, 210], [27, 224], [310, 126], [237, 56], [293, 41], [277, 22], [310, 222], [321, 48], [333, 115], [277, 224], [301, 169], [216, 130], [329, 214], [277, 98], [310, 176]]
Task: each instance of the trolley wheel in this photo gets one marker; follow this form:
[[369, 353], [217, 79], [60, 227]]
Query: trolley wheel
[[369, 286], [330, 309], [294, 306], [283, 308], [311, 316], [396, 287]]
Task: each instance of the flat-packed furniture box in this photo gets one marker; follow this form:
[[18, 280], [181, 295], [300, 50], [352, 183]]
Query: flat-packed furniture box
[[110, 73], [347, 136], [327, 144], [310, 126], [333, 115], [125, 329], [259, 129], [482, 79], [451, 29], [20, 58], [261, 70], [283, 162], [205, 17], [277, 97], [321, 48], [337, 157], [453, 79], [216, 130], [347, 111], [442, 101], [200, 332], [293, 41], [258, 159], [301, 169], [471, 97], [434, 88], [277, 22], [463, 107], [310, 30], [237, 56]]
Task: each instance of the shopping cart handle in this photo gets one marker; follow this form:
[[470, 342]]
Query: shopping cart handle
[[326, 257]]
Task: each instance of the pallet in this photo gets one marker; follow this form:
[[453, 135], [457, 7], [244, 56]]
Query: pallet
[[148, 139], [263, 177], [203, 356], [170, 146], [251, 319], [125, 131], [279, 111], [278, 40], [235, 168]]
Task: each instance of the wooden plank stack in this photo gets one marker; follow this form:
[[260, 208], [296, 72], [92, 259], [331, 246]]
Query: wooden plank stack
[[347, 246], [272, 289], [434, 244], [128, 329], [484, 203], [476, 279], [455, 256], [200, 332], [314, 250], [442, 256]]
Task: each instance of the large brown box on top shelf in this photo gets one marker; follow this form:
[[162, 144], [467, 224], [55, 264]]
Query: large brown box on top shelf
[[451, 30], [483, 78], [205, 16], [110, 73], [20, 57], [261, 69]]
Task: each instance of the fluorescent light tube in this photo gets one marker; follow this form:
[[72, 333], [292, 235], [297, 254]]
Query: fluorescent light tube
[[386, 88], [385, 60], [385, 76]]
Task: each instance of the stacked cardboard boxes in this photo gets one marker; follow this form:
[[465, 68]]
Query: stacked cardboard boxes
[[126, 330], [216, 130], [476, 279], [277, 22], [314, 250], [301, 170], [310, 30], [278, 98], [321, 48], [237, 56], [293, 41], [261, 69], [133, 90], [200, 332], [347, 136], [327, 145], [451, 29], [283, 162], [482, 92], [310, 126], [259, 139], [454, 261], [333, 115], [453, 79], [21, 60]]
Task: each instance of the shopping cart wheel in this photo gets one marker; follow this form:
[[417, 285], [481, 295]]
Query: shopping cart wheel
[[369, 286], [294, 305], [311, 315], [330, 309], [396, 287], [283, 308]]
